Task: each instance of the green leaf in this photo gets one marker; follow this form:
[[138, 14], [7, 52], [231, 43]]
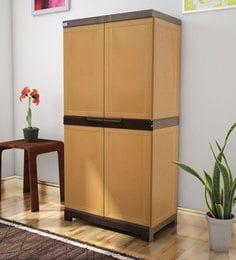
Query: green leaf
[[228, 134], [208, 190], [233, 190], [207, 203], [222, 196], [222, 200], [226, 180], [216, 181], [220, 211], [208, 180], [188, 169], [216, 172], [234, 201], [226, 163]]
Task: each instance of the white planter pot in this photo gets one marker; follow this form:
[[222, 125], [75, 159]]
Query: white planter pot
[[220, 233]]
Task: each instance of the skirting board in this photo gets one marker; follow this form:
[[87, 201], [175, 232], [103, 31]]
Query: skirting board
[[39, 182], [184, 216], [194, 218]]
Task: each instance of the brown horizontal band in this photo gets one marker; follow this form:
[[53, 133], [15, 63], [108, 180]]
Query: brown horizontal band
[[166, 122], [124, 123], [105, 222], [146, 233], [121, 17]]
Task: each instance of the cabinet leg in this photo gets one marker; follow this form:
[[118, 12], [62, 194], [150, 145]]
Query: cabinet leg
[[67, 216], [26, 187], [33, 182], [61, 171], [147, 235], [175, 220]]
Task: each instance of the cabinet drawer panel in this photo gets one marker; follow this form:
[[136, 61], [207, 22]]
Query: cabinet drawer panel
[[128, 69], [127, 175], [84, 70], [84, 169]]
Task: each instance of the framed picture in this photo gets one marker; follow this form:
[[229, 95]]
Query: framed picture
[[191, 6], [49, 6]]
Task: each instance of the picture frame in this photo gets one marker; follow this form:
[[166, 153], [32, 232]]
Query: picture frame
[[49, 6], [193, 6]]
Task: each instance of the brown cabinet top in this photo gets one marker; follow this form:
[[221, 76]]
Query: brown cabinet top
[[121, 17]]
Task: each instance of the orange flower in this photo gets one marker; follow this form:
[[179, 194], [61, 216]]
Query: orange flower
[[35, 95], [24, 93]]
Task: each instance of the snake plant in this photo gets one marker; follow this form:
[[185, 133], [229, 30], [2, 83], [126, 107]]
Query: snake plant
[[220, 186]]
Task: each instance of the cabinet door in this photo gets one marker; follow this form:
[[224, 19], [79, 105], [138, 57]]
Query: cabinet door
[[84, 70], [84, 169], [128, 69], [127, 175]]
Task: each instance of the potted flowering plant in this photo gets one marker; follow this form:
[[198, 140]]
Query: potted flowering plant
[[220, 197], [30, 133]]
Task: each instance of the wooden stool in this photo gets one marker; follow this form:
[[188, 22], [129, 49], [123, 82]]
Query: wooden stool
[[31, 151]]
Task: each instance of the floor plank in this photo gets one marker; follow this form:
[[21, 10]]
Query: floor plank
[[181, 242]]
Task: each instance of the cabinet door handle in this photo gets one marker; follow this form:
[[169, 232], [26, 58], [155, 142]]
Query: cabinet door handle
[[94, 119], [117, 121]]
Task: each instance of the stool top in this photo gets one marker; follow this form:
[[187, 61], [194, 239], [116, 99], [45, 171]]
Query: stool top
[[40, 144]]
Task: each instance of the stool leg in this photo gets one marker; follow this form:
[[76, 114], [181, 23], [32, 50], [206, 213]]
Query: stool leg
[[61, 171], [33, 182], [26, 174]]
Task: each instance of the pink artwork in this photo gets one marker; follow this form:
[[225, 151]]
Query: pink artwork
[[48, 6], [55, 3]]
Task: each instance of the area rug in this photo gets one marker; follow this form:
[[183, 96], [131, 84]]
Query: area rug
[[18, 241]]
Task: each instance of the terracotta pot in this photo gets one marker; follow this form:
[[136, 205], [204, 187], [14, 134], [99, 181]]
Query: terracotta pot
[[30, 134]]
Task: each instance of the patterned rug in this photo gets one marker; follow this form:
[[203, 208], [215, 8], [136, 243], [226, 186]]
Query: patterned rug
[[19, 241]]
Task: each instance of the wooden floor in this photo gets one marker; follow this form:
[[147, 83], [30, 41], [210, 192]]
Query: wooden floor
[[181, 242]]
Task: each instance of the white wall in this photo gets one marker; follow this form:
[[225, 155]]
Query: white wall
[[208, 78], [6, 90]]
